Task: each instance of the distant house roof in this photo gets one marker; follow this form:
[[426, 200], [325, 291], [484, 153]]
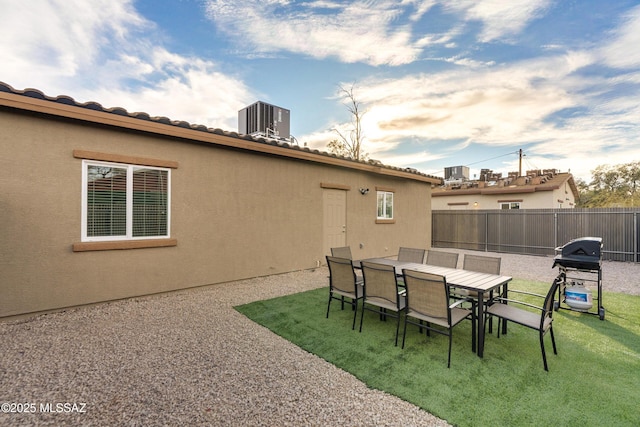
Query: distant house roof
[[528, 184], [65, 106]]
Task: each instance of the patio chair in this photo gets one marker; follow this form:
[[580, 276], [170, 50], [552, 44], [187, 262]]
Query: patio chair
[[481, 264], [344, 284], [345, 252], [411, 255], [382, 293], [342, 252], [428, 301], [442, 259], [541, 320]]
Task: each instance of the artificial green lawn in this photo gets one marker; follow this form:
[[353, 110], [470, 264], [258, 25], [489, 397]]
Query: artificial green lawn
[[593, 381]]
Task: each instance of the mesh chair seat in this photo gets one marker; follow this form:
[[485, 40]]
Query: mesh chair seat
[[386, 304], [354, 295], [519, 316], [457, 316]]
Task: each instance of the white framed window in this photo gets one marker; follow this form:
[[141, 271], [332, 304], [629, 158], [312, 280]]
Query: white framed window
[[385, 205], [124, 201], [510, 205]]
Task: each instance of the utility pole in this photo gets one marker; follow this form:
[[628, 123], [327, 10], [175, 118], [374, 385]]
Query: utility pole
[[520, 164]]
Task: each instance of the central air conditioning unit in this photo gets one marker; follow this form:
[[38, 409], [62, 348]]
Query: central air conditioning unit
[[456, 173], [262, 119]]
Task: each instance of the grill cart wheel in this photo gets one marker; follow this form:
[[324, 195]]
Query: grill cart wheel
[[601, 313]]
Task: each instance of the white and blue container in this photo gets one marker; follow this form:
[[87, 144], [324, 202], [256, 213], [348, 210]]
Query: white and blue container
[[578, 297]]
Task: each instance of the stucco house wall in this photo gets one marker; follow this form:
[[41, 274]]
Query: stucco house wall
[[239, 208]]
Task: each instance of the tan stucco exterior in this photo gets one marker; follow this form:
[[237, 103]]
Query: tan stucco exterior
[[239, 208]]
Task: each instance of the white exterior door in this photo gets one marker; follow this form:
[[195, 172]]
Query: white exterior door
[[335, 219]]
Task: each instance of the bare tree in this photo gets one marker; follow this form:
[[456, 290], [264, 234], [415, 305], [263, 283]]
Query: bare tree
[[349, 142]]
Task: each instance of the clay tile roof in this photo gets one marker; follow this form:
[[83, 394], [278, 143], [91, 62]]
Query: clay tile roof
[[67, 100], [520, 185]]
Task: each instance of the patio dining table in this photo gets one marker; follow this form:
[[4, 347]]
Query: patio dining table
[[481, 283]]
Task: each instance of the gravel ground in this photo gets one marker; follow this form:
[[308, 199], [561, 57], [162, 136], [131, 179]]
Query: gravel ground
[[616, 276], [188, 358]]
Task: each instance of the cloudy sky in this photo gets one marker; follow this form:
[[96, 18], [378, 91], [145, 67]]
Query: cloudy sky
[[443, 83]]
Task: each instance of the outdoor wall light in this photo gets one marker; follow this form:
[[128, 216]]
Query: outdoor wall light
[[364, 191]]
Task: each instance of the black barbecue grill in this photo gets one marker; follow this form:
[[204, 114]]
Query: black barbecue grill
[[583, 254], [579, 261]]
